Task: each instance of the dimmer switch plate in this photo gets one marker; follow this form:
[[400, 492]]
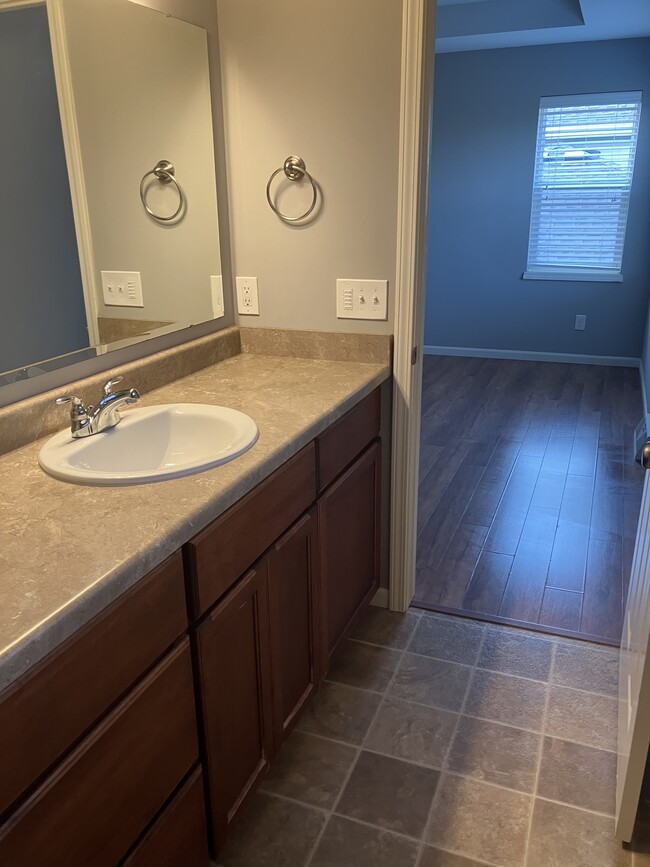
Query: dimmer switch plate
[[361, 299], [122, 288]]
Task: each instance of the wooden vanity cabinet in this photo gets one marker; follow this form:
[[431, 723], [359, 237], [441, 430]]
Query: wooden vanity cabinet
[[257, 655], [96, 740], [349, 476], [285, 600], [234, 675], [349, 546], [294, 614]]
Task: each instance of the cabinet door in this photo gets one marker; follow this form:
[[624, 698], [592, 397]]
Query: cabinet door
[[295, 636], [348, 527], [235, 681], [98, 801]]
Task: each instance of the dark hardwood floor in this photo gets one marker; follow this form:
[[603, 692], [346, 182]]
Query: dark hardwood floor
[[529, 493]]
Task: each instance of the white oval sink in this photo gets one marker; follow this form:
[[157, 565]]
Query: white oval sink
[[152, 444]]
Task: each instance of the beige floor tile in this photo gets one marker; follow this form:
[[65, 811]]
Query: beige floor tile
[[507, 699], [431, 681], [480, 821], [586, 666], [578, 775], [452, 638], [388, 628], [340, 712], [566, 837], [582, 717], [310, 769], [364, 666], [495, 753], [350, 843], [392, 794], [412, 732], [516, 652], [438, 858], [273, 833]]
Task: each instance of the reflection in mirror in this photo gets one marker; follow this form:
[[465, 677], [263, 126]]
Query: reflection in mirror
[[42, 312], [139, 84]]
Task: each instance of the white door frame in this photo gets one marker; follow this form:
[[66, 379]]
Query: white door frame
[[418, 51], [72, 150]]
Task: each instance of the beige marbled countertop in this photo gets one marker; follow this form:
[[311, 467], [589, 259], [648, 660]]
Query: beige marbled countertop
[[67, 551]]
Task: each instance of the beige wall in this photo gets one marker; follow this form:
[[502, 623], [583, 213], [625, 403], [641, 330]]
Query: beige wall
[[154, 104], [322, 80]]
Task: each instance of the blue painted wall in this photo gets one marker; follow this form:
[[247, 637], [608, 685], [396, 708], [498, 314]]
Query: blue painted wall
[[41, 300], [485, 122]]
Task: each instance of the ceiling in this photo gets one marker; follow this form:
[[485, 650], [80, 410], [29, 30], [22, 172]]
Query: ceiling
[[469, 25]]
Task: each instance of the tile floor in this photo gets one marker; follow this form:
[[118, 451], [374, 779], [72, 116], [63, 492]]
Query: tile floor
[[442, 742]]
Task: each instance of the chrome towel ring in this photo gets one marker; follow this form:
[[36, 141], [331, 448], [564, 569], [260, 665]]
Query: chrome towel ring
[[164, 171], [294, 170]]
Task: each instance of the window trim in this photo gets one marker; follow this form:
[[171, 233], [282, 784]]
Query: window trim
[[567, 272], [577, 275]]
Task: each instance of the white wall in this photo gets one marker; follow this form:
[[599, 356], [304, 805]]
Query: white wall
[[322, 80]]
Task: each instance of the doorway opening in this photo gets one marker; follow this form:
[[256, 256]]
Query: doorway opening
[[529, 491]]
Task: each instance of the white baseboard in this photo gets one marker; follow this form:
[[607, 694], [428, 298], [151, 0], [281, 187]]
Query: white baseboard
[[380, 599], [522, 355]]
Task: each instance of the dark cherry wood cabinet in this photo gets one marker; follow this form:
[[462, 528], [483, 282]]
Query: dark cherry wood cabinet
[[295, 622], [348, 529], [44, 713], [112, 745], [257, 654], [95, 805], [179, 837], [98, 740], [234, 670]]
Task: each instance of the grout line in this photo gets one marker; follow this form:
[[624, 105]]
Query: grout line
[[445, 760], [540, 753], [354, 763]]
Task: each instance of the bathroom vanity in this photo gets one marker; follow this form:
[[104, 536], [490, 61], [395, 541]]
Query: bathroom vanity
[[140, 737]]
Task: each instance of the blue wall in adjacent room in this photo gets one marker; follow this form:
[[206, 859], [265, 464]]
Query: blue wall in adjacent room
[[42, 310], [485, 122]]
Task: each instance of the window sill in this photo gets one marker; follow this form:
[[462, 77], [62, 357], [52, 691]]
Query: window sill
[[575, 276]]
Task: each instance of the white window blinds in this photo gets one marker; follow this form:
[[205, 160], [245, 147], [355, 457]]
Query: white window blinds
[[584, 164]]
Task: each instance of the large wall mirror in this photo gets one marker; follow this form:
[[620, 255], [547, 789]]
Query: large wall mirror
[[93, 95]]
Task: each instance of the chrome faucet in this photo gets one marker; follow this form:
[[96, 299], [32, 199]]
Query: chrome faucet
[[86, 421]]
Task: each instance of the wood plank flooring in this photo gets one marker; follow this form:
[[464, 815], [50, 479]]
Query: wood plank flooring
[[529, 493]]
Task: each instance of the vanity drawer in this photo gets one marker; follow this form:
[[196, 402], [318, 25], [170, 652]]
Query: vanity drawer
[[179, 837], [97, 803], [339, 445], [221, 554], [44, 713]]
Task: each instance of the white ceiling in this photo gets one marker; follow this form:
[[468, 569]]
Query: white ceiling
[[469, 25]]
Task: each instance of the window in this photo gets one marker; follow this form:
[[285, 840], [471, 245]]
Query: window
[[584, 164]]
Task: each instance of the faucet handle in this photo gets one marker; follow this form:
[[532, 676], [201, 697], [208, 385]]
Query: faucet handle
[[108, 386], [77, 403]]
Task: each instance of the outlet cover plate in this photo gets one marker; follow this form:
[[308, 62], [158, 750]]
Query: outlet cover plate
[[122, 288], [248, 300], [361, 299]]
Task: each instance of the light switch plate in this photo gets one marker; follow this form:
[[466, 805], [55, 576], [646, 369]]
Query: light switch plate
[[248, 301], [122, 288], [216, 294], [361, 299]]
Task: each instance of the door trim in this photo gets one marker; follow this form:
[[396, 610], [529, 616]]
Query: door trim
[[418, 50]]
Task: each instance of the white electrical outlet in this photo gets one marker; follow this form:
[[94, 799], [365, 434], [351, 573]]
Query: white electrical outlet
[[581, 321], [248, 301], [122, 288], [216, 294], [361, 299]]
